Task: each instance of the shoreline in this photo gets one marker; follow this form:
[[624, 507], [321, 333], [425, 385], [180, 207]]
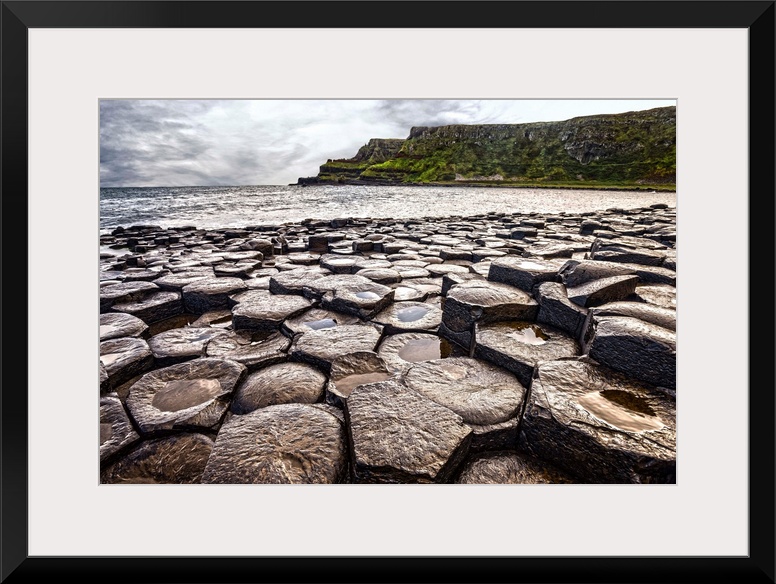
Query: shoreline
[[582, 186]]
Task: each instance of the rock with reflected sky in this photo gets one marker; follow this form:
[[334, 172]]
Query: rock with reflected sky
[[599, 425], [188, 396], [518, 346]]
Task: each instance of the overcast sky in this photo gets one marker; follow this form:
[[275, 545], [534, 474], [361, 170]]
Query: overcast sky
[[274, 142]]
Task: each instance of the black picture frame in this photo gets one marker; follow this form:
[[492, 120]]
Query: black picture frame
[[19, 16]]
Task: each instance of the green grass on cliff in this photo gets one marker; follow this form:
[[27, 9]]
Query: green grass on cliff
[[633, 149]]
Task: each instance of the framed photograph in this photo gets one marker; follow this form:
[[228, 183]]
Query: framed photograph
[[75, 79]]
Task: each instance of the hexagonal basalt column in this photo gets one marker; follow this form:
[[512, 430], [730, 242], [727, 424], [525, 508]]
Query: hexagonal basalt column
[[279, 444], [518, 346], [173, 460], [599, 425], [400, 436], [192, 395]]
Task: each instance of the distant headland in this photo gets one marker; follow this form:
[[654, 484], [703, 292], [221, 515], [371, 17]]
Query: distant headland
[[632, 150]]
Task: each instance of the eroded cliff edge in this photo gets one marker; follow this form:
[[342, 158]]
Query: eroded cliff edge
[[632, 149]]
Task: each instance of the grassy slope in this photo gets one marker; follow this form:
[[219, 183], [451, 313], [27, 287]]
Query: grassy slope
[[633, 149]]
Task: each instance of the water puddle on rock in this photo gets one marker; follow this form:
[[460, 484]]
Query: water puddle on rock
[[526, 332], [323, 323], [367, 295], [185, 393], [425, 350], [106, 431], [348, 383], [412, 313], [622, 410]]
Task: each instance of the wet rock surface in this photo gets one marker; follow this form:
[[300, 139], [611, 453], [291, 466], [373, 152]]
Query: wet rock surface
[[509, 468], [399, 436], [477, 391], [600, 426], [192, 395], [385, 310], [280, 444], [279, 384], [116, 431]]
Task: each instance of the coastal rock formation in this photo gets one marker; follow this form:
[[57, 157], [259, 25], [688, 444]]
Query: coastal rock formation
[[380, 350]]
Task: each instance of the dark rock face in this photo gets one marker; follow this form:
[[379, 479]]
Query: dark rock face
[[261, 310], [279, 444], [177, 459], [124, 358], [597, 292], [599, 426], [210, 294], [114, 325], [399, 436], [192, 395], [153, 307], [279, 384], [477, 391], [322, 347], [637, 348], [556, 310], [116, 431], [519, 346], [509, 468]]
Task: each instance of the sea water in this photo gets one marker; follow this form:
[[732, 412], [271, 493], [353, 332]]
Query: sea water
[[220, 207]]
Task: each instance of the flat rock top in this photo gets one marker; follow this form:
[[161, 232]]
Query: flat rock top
[[528, 340], [486, 293], [657, 315], [410, 315], [480, 393], [190, 394], [401, 350], [215, 286], [626, 326], [183, 341], [279, 444], [594, 399], [279, 384], [114, 325], [393, 427], [177, 459], [117, 353], [530, 265], [508, 468], [330, 343]]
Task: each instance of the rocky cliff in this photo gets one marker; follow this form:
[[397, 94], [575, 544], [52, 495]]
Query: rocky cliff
[[635, 149]]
